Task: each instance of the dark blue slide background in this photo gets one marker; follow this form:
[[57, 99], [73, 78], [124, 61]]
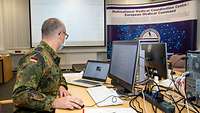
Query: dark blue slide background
[[179, 36]]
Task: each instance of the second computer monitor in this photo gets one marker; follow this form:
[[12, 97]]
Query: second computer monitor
[[155, 59], [123, 64]]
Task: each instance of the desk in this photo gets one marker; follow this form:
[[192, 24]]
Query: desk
[[82, 93], [5, 68]]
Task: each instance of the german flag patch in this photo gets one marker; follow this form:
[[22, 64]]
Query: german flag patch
[[34, 59]]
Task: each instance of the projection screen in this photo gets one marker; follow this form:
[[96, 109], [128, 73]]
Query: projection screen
[[84, 20]]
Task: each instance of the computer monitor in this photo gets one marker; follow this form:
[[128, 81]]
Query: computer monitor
[[192, 82], [123, 65], [155, 59], [141, 76]]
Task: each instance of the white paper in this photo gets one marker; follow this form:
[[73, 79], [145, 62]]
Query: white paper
[[72, 76], [109, 110]]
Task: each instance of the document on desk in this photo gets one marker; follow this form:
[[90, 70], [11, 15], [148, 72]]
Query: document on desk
[[109, 110], [72, 76], [104, 96]]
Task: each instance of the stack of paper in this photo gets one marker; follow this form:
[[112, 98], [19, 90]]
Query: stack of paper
[[109, 110]]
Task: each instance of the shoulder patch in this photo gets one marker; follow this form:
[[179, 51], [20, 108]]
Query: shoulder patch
[[34, 59]]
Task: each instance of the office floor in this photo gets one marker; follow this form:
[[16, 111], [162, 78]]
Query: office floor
[[6, 93]]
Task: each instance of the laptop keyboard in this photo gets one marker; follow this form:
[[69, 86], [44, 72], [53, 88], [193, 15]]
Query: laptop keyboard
[[87, 82]]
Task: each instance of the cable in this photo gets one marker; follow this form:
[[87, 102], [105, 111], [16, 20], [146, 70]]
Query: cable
[[172, 75], [186, 101], [154, 110], [131, 104], [176, 86], [176, 90], [190, 107], [168, 89], [140, 82], [114, 99], [172, 78], [180, 92], [139, 105], [156, 84], [194, 106], [177, 102], [145, 108]]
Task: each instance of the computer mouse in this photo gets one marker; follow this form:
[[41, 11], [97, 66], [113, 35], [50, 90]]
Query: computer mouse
[[82, 106]]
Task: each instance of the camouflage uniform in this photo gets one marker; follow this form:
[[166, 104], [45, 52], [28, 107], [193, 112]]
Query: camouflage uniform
[[38, 80]]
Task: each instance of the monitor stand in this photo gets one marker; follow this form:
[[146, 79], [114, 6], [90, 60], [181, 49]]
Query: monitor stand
[[120, 90], [125, 92]]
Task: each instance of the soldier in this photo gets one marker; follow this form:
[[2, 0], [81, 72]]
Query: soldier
[[39, 78]]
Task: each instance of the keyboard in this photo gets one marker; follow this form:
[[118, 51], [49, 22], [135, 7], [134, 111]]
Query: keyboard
[[87, 82], [103, 96]]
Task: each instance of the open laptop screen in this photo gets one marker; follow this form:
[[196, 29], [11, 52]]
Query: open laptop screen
[[96, 70]]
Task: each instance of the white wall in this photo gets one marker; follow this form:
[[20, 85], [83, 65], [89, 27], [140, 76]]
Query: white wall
[[1, 27]]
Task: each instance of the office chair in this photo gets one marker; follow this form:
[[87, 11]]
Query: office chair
[[5, 104], [178, 62]]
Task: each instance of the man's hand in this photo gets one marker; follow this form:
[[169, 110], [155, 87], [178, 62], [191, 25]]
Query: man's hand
[[63, 92], [68, 102]]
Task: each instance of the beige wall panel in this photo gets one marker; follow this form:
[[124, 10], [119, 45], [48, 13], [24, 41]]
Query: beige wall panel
[[76, 58], [8, 25], [16, 24], [22, 36], [1, 25]]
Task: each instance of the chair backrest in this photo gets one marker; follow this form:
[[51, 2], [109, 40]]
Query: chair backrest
[[9, 101], [6, 106], [178, 62]]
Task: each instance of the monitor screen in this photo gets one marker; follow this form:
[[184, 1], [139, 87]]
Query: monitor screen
[[155, 59], [96, 70], [123, 64], [141, 76]]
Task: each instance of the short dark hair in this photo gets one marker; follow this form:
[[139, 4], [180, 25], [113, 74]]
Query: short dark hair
[[50, 25]]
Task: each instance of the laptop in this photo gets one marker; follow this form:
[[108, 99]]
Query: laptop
[[95, 74]]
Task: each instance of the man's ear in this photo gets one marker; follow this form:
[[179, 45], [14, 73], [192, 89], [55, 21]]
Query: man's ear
[[59, 34]]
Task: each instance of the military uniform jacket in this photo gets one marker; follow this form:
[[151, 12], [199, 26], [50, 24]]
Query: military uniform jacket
[[38, 80]]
